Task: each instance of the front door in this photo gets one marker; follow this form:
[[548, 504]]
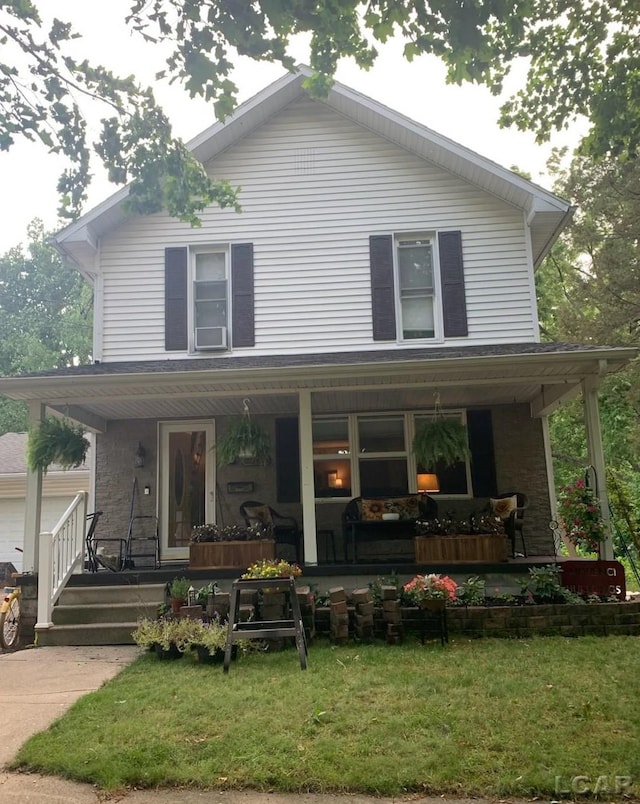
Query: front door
[[187, 483]]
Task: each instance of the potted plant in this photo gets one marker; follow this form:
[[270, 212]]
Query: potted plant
[[442, 440], [228, 546], [179, 593], [56, 441], [274, 568], [427, 590], [581, 517], [243, 438], [147, 633], [210, 641]]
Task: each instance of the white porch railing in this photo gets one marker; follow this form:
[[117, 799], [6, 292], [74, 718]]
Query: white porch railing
[[60, 552]]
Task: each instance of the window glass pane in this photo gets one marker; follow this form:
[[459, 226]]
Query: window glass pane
[[211, 265], [211, 290], [417, 317], [381, 434], [383, 477], [332, 478], [331, 437], [415, 265], [211, 314]]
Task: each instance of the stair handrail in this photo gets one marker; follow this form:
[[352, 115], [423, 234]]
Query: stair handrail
[[61, 550]]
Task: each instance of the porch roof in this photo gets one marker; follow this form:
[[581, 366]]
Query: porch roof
[[542, 375]]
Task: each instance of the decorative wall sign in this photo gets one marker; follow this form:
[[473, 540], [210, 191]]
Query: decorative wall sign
[[605, 578], [241, 487]]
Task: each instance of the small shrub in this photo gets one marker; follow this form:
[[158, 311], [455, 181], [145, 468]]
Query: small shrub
[[471, 592], [544, 583]]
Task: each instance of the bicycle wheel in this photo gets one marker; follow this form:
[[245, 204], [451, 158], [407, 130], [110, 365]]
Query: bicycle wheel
[[10, 624]]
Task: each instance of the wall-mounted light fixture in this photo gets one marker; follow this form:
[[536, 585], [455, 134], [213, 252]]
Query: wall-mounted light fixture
[[139, 456], [428, 483]]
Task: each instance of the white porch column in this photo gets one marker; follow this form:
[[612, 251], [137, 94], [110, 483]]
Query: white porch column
[[306, 475], [596, 458], [551, 484], [33, 502]]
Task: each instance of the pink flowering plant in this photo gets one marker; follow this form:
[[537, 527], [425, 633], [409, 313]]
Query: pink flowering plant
[[580, 516], [430, 587]]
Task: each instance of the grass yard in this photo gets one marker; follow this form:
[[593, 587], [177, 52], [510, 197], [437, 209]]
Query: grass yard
[[488, 717]]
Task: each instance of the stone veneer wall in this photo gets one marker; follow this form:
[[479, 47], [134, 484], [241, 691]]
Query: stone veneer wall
[[521, 466]]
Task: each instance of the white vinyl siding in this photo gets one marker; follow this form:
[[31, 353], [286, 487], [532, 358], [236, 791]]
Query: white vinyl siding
[[314, 188]]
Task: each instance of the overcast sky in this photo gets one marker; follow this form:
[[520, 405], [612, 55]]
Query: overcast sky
[[466, 114]]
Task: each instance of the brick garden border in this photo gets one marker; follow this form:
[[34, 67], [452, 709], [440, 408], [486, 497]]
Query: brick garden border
[[566, 619]]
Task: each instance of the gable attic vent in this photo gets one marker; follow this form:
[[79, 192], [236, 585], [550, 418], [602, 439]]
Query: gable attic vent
[[305, 160]]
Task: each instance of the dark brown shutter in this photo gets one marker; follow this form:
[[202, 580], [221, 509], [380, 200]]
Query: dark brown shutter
[[483, 464], [175, 299], [454, 304], [287, 460], [383, 307], [243, 313]]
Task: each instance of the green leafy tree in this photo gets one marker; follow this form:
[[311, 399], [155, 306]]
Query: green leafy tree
[[45, 316], [589, 292], [582, 60], [43, 96]]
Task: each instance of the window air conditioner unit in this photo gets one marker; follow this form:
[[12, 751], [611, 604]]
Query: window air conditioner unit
[[208, 338]]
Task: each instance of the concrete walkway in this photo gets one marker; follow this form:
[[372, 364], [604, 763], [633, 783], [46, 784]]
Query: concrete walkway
[[37, 686]]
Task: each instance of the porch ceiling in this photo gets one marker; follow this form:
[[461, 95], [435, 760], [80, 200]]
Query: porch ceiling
[[542, 375]]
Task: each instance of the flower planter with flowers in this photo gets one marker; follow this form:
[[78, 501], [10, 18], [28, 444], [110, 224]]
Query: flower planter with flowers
[[430, 591], [272, 568], [446, 541], [228, 547], [581, 517]]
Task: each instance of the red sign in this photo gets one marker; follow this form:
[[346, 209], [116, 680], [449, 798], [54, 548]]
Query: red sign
[[604, 578]]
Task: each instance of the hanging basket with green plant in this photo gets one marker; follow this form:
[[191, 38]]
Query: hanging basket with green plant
[[243, 438], [441, 440], [56, 441]]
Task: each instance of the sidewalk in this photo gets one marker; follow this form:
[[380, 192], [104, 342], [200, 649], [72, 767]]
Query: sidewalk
[[39, 685]]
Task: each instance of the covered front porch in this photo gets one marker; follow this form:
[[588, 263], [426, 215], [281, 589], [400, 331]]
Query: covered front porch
[[156, 426]]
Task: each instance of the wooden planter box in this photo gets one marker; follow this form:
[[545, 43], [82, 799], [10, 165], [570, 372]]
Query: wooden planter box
[[229, 555], [460, 549]]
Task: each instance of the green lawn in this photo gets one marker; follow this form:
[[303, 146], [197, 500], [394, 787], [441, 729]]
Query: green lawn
[[484, 717]]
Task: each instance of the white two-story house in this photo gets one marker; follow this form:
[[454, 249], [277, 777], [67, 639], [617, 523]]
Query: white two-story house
[[377, 270]]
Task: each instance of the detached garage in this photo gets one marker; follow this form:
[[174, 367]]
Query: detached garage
[[58, 490]]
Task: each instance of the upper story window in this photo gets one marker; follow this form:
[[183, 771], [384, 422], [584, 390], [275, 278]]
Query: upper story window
[[210, 299], [414, 259], [417, 286]]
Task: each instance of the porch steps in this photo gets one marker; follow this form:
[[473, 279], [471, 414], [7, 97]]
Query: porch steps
[[101, 615]]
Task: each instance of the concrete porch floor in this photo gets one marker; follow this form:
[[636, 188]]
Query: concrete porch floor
[[504, 576]]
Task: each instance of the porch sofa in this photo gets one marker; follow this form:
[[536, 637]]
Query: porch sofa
[[364, 520]]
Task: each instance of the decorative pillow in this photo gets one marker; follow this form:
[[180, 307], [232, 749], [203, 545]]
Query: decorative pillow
[[504, 506], [261, 514], [407, 507], [372, 510]]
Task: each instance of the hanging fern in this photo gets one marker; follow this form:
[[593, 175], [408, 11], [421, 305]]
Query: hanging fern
[[56, 441], [243, 437], [441, 440]]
